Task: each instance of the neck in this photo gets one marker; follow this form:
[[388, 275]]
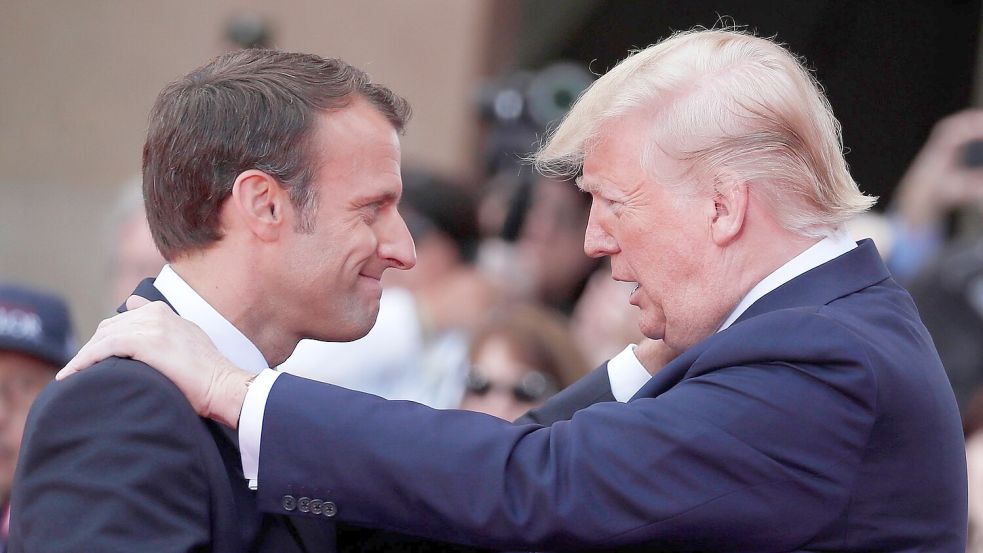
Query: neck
[[230, 284], [763, 248], [765, 257]]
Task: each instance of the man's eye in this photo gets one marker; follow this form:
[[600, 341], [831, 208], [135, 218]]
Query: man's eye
[[371, 211]]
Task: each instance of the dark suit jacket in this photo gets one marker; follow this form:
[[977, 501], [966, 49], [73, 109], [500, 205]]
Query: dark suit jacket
[[594, 387], [115, 459], [820, 421]]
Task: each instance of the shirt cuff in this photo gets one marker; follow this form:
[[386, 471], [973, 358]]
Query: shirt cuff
[[627, 375], [251, 424]]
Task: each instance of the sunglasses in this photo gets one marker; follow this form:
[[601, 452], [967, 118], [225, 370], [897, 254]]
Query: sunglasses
[[534, 386]]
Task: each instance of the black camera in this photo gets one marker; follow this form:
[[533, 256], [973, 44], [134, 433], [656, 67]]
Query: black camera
[[972, 156]]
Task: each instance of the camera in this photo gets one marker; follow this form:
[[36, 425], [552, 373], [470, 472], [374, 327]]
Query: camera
[[972, 155]]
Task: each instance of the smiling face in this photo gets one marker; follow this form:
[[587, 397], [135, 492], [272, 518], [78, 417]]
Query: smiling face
[[328, 279], [655, 235]]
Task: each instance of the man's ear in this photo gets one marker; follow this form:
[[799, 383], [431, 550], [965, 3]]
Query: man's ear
[[730, 202], [258, 201]]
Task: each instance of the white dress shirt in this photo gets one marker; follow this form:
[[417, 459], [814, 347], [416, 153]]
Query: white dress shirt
[[626, 373], [230, 342]]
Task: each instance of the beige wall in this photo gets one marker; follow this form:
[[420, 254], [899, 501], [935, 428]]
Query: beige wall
[[78, 77]]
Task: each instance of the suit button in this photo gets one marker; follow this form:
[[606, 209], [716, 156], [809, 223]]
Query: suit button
[[289, 503], [304, 504], [329, 509], [316, 506]]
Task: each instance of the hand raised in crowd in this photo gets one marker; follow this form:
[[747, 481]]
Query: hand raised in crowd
[[153, 333], [938, 179]]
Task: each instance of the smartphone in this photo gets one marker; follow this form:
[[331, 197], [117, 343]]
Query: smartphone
[[973, 154]]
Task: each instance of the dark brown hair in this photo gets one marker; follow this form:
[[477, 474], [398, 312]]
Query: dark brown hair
[[250, 109], [537, 336]]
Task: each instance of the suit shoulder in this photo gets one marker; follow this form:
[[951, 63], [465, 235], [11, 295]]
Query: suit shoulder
[[802, 332], [118, 372], [117, 387]]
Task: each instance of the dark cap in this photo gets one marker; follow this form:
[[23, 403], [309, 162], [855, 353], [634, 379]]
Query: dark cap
[[35, 324]]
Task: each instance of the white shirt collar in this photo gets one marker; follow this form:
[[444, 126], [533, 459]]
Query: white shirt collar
[[230, 342], [827, 249]]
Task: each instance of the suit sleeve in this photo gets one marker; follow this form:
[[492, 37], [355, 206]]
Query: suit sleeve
[[720, 461], [110, 463], [593, 388]]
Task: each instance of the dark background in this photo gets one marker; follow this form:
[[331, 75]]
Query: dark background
[[890, 69]]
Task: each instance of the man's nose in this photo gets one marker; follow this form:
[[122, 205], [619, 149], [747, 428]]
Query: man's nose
[[597, 241], [396, 245]]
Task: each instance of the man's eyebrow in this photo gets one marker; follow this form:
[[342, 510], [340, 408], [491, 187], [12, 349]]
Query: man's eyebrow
[[382, 197]]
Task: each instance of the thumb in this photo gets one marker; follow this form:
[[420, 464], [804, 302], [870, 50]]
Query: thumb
[[135, 301]]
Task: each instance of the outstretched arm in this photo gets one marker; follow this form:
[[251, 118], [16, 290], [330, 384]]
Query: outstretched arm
[[718, 461]]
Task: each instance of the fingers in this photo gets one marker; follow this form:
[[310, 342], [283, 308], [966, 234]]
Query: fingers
[[135, 302], [96, 350], [110, 337], [654, 354]]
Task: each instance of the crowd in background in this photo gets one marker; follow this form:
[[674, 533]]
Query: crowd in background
[[504, 309]]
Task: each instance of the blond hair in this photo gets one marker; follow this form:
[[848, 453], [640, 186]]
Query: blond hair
[[734, 106]]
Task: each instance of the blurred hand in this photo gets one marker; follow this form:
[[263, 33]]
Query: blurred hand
[[603, 322], [654, 354], [937, 181], [154, 334]]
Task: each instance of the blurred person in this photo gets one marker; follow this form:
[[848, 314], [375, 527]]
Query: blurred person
[[603, 321], [36, 339], [271, 181], [973, 427], [133, 254], [797, 402], [417, 349], [550, 244], [520, 358], [546, 262], [945, 276], [939, 181]]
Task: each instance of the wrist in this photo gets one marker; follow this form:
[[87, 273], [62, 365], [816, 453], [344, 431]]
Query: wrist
[[225, 405]]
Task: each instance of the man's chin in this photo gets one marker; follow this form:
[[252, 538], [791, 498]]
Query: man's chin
[[655, 330], [347, 332]]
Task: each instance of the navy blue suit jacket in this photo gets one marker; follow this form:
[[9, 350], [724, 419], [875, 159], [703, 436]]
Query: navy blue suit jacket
[[114, 459], [822, 420]]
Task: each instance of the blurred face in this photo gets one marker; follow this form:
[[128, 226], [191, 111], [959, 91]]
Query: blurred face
[[136, 257], [656, 237], [506, 387], [329, 279], [551, 241], [21, 380]]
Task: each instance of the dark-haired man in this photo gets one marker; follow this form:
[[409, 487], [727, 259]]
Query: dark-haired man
[[271, 181]]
